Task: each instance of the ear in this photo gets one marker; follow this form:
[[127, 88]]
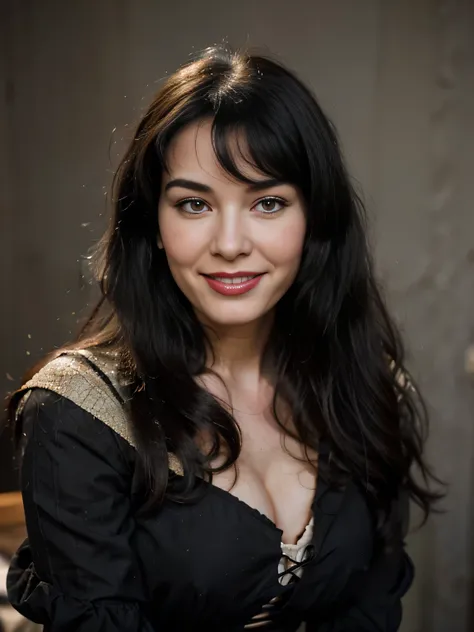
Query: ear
[[159, 243]]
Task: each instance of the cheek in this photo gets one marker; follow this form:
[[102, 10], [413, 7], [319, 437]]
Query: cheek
[[181, 243], [286, 246]]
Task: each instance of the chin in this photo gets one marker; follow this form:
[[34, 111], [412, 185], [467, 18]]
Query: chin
[[232, 315]]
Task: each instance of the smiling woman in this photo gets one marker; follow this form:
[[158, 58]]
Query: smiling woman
[[230, 442]]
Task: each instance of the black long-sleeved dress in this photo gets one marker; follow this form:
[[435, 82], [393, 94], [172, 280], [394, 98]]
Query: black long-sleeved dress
[[92, 564]]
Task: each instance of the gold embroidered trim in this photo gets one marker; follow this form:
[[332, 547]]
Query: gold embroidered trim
[[71, 377]]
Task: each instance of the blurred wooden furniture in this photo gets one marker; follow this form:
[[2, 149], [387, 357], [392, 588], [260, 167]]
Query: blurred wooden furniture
[[11, 509], [12, 522]]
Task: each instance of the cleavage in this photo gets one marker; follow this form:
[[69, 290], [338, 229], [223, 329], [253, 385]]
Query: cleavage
[[275, 483]]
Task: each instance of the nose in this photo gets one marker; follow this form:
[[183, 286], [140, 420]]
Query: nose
[[231, 238]]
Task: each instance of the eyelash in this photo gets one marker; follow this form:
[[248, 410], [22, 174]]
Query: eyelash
[[180, 205]]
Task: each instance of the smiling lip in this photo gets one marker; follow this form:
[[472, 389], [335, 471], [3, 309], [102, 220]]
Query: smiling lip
[[233, 284]]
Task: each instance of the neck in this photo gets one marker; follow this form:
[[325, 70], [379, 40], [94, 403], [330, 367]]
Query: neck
[[238, 349]]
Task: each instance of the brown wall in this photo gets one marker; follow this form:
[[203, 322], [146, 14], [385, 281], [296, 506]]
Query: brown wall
[[398, 80]]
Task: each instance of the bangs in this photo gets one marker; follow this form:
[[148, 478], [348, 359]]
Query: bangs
[[263, 137], [245, 141]]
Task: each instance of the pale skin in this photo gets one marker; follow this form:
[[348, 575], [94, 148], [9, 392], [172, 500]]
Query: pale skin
[[208, 223]]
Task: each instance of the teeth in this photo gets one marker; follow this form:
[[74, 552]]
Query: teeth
[[235, 280]]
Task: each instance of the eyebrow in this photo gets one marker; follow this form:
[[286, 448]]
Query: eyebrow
[[181, 183]]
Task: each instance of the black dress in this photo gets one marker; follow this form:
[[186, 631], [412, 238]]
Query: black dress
[[91, 564]]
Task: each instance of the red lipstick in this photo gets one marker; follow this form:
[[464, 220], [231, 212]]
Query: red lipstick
[[233, 284]]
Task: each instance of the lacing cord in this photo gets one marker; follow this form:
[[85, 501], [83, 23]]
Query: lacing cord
[[292, 571]]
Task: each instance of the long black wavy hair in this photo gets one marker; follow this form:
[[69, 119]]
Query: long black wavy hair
[[337, 356]]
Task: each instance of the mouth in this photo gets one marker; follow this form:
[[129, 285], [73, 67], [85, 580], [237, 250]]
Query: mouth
[[233, 280], [233, 284]]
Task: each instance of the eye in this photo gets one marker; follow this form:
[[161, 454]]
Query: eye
[[193, 206], [270, 205]]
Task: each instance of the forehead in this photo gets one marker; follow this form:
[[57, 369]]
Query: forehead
[[191, 151]]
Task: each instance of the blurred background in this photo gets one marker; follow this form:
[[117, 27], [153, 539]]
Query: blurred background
[[396, 77]]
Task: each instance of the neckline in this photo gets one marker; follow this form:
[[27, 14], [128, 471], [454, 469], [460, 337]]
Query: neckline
[[257, 514], [321, 487]]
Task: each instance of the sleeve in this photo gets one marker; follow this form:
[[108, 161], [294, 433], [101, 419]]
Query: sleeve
[[374, 597], [78, 571]]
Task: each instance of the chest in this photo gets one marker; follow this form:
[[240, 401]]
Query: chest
[[217, 556], [273, 474]]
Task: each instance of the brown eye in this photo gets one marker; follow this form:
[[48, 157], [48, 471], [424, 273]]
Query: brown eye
[[270, 205], [194, 206]]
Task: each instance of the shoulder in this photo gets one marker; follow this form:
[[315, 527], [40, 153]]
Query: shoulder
[[56, 427], [82, 382], [88, 388]]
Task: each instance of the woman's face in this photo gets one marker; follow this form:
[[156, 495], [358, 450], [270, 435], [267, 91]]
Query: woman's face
[[233, 249]]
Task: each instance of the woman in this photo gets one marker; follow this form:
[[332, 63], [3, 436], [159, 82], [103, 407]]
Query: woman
[[229, 444]]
